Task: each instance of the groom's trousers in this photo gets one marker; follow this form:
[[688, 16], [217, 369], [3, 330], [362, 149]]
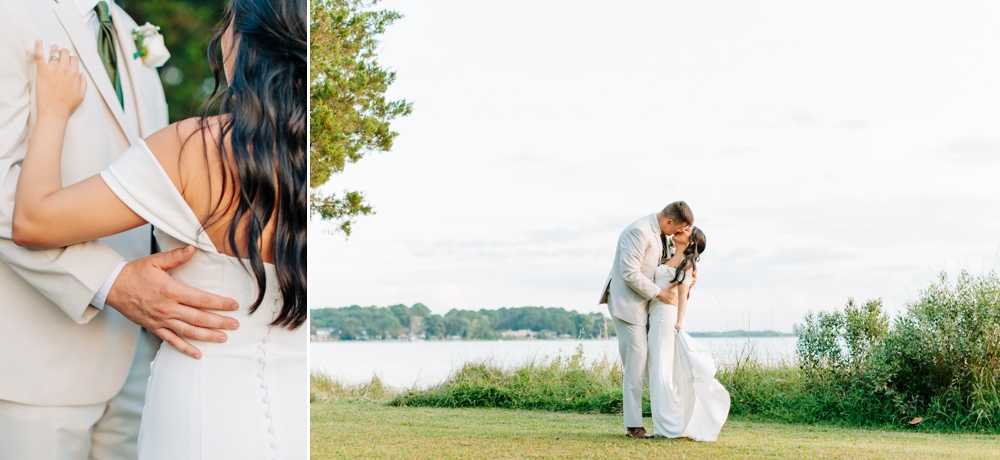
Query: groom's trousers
[[103, 431], [632, 346]]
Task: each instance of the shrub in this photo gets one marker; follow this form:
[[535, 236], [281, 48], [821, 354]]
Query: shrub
[[938, 361], [945, 354]]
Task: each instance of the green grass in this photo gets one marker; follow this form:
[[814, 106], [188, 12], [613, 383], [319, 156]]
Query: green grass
[[363, 427]]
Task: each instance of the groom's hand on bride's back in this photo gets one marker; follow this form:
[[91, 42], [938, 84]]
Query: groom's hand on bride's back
[[146, 294], [667, 296]]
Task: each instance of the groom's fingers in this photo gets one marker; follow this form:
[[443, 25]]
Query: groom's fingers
[[184, 294], [172, 259], [198, 320], [193, 297], [168, 336], [188, 331], [146, 294]]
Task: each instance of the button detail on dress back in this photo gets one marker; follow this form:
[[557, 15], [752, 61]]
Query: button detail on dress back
[[263, 383]]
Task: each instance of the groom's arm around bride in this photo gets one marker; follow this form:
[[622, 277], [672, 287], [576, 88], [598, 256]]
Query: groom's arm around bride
[[73, 359]]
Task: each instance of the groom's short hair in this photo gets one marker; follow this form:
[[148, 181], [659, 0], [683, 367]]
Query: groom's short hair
[[679, 211]]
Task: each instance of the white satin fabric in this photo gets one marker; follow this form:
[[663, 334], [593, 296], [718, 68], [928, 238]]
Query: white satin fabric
[[245, 399], [685, 398]]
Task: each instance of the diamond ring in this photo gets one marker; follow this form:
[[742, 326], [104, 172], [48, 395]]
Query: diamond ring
[[54, 57]]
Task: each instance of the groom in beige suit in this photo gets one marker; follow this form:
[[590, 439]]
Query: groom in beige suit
[[628, 290], [73, 358]]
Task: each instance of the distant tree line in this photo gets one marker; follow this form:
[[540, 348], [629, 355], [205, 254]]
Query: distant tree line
[[400, 321]]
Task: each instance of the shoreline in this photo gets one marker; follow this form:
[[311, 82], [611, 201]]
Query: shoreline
[[710, 335]]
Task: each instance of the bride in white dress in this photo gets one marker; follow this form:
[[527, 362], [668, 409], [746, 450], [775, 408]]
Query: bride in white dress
[[234, 187], [685, 397]]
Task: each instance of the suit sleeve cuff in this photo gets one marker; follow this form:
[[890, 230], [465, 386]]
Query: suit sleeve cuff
[[101, 297]]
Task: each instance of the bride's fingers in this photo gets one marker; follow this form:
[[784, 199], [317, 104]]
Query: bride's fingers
[[39, 57], [64, 57], [168, 336]]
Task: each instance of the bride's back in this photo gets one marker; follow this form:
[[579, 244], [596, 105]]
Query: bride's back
[[243, 172], [188, 151]]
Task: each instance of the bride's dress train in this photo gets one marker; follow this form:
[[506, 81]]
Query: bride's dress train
[[245, 399], [686, 398]]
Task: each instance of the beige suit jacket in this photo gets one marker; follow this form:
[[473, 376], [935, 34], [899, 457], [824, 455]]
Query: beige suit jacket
[[55, 349], [629, 286]]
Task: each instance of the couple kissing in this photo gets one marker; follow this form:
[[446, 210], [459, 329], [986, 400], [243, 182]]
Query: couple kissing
[[647, 291]]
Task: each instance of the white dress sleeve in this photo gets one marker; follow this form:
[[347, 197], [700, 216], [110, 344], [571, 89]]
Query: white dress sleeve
[[141, 183], [685, 279]]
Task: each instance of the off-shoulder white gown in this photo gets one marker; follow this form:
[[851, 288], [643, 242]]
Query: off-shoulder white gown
[[685, 398], [245, 399]]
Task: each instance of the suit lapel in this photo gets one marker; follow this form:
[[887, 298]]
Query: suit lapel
[[130, 69], [655, 227], [83, 43]]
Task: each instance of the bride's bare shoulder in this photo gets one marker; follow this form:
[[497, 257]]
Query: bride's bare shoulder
[[188, 151], [181, 149]]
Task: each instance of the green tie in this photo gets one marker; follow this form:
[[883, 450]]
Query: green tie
[[106, 48]]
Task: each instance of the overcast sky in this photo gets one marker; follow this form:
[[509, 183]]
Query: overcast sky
[[829, 150]]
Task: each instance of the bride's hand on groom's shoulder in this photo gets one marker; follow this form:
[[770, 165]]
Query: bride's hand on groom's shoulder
[[59, 85], [147, 295]]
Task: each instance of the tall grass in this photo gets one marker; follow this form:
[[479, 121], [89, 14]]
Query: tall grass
[[324, 388], [558, 384]]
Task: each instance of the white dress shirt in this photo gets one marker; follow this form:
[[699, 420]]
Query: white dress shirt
[[89, 16]]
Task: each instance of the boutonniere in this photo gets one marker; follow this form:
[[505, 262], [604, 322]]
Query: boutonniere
[[149, 42], [670, 242]]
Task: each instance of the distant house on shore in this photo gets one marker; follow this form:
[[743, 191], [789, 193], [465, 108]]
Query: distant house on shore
[[520, 334], [323, 334]]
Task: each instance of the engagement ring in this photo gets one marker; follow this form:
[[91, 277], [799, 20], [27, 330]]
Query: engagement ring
[[54, 57]]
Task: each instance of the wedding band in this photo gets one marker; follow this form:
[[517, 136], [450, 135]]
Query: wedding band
[[54, 57]]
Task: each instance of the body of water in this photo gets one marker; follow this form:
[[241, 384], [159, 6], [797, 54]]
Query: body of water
[[422, 364]]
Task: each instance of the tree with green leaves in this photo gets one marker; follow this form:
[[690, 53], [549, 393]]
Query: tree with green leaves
[[350, 114]]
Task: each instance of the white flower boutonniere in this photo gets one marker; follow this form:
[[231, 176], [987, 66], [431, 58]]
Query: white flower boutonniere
[[670, 242], [149, 42]]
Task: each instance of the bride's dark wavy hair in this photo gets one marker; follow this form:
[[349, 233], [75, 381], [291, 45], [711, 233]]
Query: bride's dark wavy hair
[[693, 252], [263, 112]]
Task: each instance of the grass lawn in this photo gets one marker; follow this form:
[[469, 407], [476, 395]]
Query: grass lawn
[[365, 429]]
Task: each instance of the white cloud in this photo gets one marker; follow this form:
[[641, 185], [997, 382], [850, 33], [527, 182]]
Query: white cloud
[[972, 148]]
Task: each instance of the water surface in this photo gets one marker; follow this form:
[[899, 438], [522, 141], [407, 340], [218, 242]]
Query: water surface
[[422, 364]]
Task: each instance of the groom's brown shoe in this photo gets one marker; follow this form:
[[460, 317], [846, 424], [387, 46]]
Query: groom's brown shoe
[[638, 432]]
